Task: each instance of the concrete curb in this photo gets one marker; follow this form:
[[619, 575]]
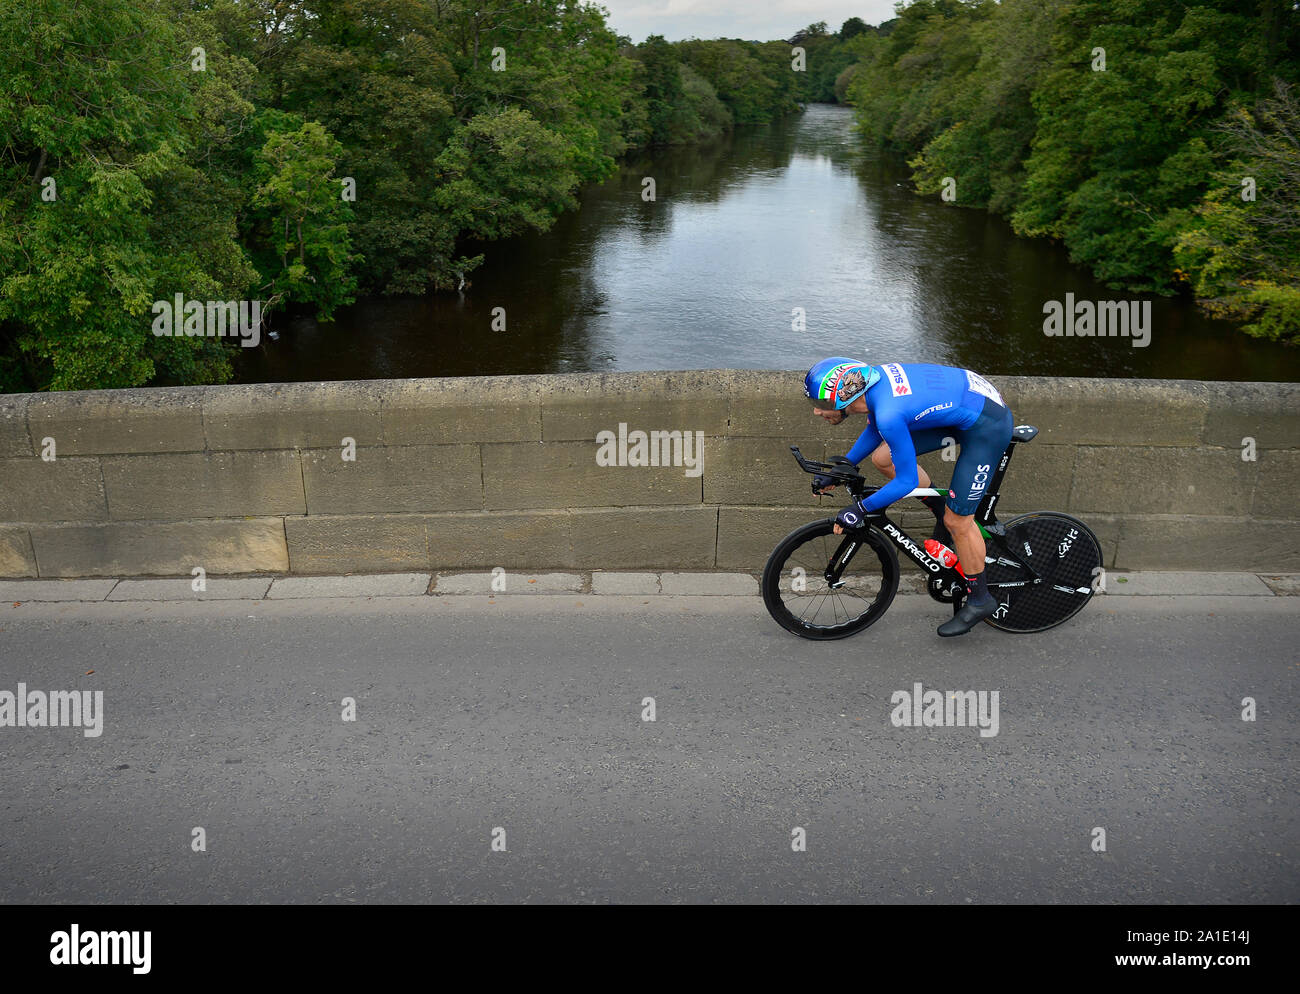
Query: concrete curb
[[57, 590], [372, 585], [504, 582], [1157, 583], [250, 589], [598, 583]]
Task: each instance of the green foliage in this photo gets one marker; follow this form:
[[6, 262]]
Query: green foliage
[[378, 77], [994, 121], [96, 141], [1240, 246], [307, 219], [203, 149], [826, 57], [853, 27], [1116, 150], [911, 81], [671, 119], [754, 81], [1129, 166], [708, 117], [504, 174]]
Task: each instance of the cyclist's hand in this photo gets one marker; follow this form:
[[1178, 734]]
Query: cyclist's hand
[[854, 518], [849, 518], [823, 484]]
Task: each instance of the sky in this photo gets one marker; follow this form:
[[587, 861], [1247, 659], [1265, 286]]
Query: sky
[[762, 20]]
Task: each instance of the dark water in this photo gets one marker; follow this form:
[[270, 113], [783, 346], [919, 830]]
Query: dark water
[[789, 215]]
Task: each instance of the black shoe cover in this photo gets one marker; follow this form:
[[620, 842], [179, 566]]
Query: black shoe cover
[[971, 614]]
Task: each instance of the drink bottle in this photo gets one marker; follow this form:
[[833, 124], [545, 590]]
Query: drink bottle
[[937, 550]]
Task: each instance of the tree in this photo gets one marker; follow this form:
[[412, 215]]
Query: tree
[[1240, 247], [666, 107], [99, 115], [753, 80], [995, 122], [1116, 150], [200, 148], [853, 27], [1114, 126], [308, 219], [503, 174]]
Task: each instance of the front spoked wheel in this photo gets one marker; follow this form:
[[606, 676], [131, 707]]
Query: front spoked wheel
[[802, 602], [1065, 553]]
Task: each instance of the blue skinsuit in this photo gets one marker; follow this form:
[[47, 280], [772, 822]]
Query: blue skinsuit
[[915, 408]]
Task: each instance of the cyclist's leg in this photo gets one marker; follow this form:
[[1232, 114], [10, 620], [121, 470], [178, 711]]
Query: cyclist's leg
[[923, 441], [982, 445], [928, 440], [883, 460]]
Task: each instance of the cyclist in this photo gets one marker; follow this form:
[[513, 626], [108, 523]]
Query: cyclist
[[911, 409]]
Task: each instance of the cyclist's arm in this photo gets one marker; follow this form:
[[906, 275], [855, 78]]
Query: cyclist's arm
[[866, 444], [903, 452]]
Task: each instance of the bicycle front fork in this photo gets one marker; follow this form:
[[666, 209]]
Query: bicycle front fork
[[840, 561]]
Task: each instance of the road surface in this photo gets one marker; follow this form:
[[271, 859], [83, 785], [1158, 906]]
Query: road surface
[[526, 715]]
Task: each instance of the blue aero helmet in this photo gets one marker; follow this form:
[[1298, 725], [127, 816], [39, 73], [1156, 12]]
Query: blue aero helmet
[[838, 382]]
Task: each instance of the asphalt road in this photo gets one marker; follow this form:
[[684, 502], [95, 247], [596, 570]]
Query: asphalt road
[[526, 715]]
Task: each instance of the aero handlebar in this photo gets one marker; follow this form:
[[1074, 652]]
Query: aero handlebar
[[844, 472]]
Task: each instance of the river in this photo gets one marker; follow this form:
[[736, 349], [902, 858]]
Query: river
[[741, 233]]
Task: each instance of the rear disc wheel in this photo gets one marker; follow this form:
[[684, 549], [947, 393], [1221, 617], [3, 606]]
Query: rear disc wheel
[[1065, 553]]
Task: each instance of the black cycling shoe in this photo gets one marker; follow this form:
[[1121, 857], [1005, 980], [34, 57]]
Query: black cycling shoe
[[971, 614]]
